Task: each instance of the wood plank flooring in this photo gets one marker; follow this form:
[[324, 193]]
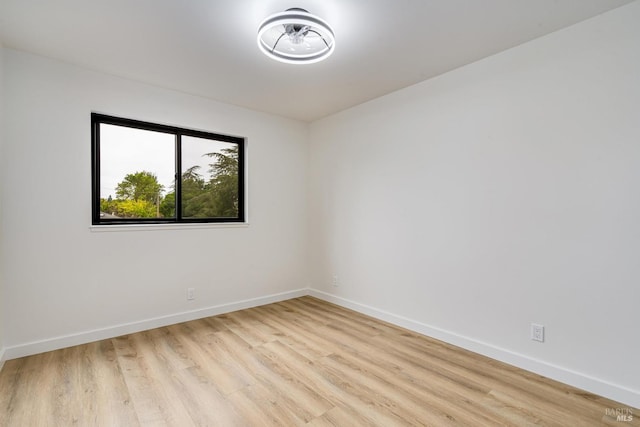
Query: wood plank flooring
[[293, 363]]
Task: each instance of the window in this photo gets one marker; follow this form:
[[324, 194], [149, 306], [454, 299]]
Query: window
[[146, 173]]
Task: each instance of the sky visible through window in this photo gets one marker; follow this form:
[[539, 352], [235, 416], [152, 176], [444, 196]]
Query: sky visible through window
[[125, 150]]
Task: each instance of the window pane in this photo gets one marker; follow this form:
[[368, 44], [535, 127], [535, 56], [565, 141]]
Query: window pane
[[135, 165], [209, 178], [137, 170]]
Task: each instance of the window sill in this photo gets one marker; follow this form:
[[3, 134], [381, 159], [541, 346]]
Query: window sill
[[162, 227]]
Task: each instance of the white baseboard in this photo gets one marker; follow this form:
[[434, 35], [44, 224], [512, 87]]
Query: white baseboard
[[594, 385], [56, 343], [576, 379]]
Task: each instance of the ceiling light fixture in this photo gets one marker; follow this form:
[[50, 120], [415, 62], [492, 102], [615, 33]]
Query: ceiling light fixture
[[296, 37]]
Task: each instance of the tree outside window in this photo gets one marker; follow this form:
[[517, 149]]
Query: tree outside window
[[135, 169]]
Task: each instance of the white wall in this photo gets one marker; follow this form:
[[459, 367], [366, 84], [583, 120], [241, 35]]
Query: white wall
[[2, 299], [62, 279], [496, 195], [467, 207]]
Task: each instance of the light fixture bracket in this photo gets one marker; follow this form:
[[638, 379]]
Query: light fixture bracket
[[296, 37]]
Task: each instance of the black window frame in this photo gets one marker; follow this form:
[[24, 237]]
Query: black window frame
[[97, 119]]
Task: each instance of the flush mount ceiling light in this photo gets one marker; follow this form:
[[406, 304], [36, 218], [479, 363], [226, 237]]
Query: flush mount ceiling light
[[296, 37]]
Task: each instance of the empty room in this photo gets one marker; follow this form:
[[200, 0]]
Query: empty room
[[323, 213]]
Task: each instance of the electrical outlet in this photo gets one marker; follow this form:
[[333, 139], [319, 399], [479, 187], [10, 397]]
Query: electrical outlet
[[191, 293], [335, 280], [537, 332]]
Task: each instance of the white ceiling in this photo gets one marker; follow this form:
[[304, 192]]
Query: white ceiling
[[208, 47]]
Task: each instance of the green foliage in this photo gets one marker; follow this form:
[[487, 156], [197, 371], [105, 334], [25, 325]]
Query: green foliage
[[140, 186], [139, 195], [224, 183], [168, 205], [194, 194], [136, 209], [107, 206], [219, 196], [128, 208]]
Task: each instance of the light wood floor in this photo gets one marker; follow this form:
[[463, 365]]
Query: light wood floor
[[298, 362]]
